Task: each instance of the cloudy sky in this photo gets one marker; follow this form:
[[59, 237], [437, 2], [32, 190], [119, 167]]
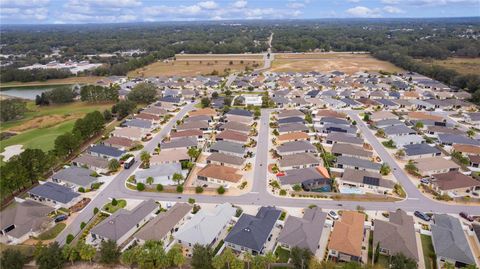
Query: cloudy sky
[[112, 11]]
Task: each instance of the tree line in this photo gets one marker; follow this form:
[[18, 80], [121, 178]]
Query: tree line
[[96, 93], [12, 109], [58, 95]]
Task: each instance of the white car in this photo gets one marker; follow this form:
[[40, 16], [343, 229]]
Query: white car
[[332, 214]]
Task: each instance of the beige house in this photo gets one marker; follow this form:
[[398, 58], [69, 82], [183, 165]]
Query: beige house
[[435, 165]]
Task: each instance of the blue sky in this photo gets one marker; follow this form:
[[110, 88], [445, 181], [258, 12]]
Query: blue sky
[[111, 11]]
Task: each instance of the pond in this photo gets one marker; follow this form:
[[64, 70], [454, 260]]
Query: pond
[[28, 92]]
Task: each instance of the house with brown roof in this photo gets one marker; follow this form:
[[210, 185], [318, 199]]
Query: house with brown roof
[[346, 238], [321, 113], [382, 115], [419, 115], [164, 225], [98, 164], [299, 160], [150, 117], [287, 113], [187, 133], [204, 111], [154, 110], [341, 149], [295, 136], [397, 235], [170, 156], [225, 159], [120, 142], [435, 165], [232, 136], [219, 174], [455, 184], [132, 133], [466, 149]]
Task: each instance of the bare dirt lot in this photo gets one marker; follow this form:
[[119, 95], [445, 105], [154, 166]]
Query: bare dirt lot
[[199, 64], [463, 66], [330, 61]]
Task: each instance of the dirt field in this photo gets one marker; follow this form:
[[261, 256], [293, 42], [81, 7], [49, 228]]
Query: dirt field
[[200, 64], [325, 62], [62, 81], [461, 65]]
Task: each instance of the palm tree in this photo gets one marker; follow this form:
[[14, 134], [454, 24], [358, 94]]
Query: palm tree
[[113, 165], [177, 178], [145, 157], [149, 180], [270, 258], [247, 257]]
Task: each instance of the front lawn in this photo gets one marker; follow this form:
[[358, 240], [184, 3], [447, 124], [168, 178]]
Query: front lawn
[[111, 208], [53, 232], [283, 255], [428, 252]]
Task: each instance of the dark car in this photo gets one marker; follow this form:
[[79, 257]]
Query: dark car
[[422, 216], [466, 216], [61, 218]]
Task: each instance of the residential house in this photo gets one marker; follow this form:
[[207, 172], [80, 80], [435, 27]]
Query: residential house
[[205, 227], [292, 127], [105, 152], [398, 130], [75, 177], [250, 233], [232, 136], [235, 126], [55, 195], [303, 232], [451, 139], [134, 134], [198, 134], [145, 125], [294, 147], [298, 160], [341, 149], [346, 238], [170, 156], [289, 137], [220, 174], [366, 181], [239, 115], [435, 165], [180, 143], [418, 151], [403, 140], [333, 138], [161, 173], [98, 164], [123, 223], [193, 125], [227, 147], [120, 143], [299, 176], [343, 162], [225, 159], [455, 184]]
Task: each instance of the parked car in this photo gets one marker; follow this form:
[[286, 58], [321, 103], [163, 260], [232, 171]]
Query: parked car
[[332, 214], [422, 216], [61, 218], [466, 216], [425, 180]]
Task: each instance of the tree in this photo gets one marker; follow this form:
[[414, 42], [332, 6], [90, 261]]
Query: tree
[[159, 187], [400, 153], [300, 257], [227, 259], [66, 143], [175, 256], [179, 188], [198, 189], [471, 132], [202, 257], [400, 261], [152, 255], [11, 109], [205, 102], [50, 257], [385, 169], [12, 259], [411, 168], [87, 252], [61, 95], [149, 180], [123, 108], [380, 133], [308, 118], [177, 178], [366, 117], [70, 253], [448, 265], [377, 253], [270, 258], [145, 158], [69, 238], [129, 256], [113, 165], [193, 153], [144, 93], [221, 190], [140, 186], [109, 252], [419, 125]]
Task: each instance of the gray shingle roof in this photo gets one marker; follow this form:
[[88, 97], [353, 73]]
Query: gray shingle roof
[[449, 240], [420, 149], [184, 142], [340, 148], [361, 163], [294, 146], [27, 216], [54, 192], [228, 147], [344, 138], [457, 139], [106, 150], [299, 159], [77, 175], [398, 130], [297, 176], [145, 124], [252, 231], [292, 127], [240, 112], [225, 158]]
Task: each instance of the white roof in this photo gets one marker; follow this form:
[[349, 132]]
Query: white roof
[[407, 139], [206, 225]]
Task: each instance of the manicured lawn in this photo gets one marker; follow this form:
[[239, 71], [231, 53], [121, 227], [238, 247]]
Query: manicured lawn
[[282, 255], [428, 252], [53, 232], [111, 209]]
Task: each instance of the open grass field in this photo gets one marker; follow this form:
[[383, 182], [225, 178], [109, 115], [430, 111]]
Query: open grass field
[[62, 81], [330, 61], [199, 64], [463, 66]]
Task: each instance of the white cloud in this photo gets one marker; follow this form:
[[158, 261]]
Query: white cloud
[[363, 12], [208, 5], [441, 2], [353, 1], [172, 10], [23, 3], [393, 10], [109, 3], [24, 14], [240, 4], [390, 2], [295, 5]]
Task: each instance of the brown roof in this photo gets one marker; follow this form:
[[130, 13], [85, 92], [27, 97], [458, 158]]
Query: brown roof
[[329, 113], [290, 113], [186, 133], [474, 158], [146, 116], [220, 172], [119, 141], [292, 136], [434, 163], [454, 180], [155, 111], [349, 149], [469, 149], [347, 235], [170, 156], [418, 115], [380, 115], [233, 135], [204, 111]]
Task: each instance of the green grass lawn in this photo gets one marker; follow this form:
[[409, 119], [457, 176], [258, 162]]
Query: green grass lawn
[[53, 232], [111, 209], [282, 255], [428, 252]]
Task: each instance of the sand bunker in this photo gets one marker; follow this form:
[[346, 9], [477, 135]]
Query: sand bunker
[[11, 151]]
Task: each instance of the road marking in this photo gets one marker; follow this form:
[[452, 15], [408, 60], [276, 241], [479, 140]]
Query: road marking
[[254, 192], [413, 199]]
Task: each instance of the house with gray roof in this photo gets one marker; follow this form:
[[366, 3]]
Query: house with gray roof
[[161, 173], [98, 164], [250, 233], [287, 113], [387, 122], [164, 225], [333, 138], [299, 160], [343, 162], [297, 176], [123, 223], [205, 227], [341, 149], [398, 130], [417, 151], [291, 120], [228, 147], [21, 220], [184, 142], [397, 235], [235, 126], [138, 123], [303, 232], [105, 152], [294, 147], [75, 177], [193, 125], [292, 127], [225, 159], [449, 241], [333, 120], [401, 141], [337, 128], [450, 139], [55, 195], [365, 181]]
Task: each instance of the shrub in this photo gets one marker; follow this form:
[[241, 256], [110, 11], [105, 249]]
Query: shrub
[[95, 211], [70, 238], [238, 212], [179, 189], [191, 201], [82, 225], [140, 186], [221, 190], [159, 187], [198, 189], [81, 189], [283, 192], [114, 202], [297, 187]]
